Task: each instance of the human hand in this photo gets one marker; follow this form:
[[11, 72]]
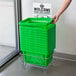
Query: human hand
[[55, 17]]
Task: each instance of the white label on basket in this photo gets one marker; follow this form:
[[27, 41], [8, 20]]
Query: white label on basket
[[42, 10]]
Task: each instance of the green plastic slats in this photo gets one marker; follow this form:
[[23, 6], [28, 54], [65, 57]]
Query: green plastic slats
[[37, 59]]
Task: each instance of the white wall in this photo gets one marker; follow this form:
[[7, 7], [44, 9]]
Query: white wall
[[7, 23], [27, 8], [66, 26]]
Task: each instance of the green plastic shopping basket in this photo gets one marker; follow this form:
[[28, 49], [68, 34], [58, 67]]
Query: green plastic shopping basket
[[37, 37]]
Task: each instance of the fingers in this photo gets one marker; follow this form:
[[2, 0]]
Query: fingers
[[55, 19]]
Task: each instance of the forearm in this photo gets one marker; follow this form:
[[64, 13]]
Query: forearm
[[64, 6]]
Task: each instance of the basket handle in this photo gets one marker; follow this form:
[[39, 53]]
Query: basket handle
[[52, 20]]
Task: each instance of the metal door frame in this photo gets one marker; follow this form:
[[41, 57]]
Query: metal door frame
[[18, 17]]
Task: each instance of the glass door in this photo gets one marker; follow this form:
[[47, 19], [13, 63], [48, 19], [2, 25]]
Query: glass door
[[9, 34]]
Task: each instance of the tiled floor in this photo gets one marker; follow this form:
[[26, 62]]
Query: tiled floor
[[59, 68]]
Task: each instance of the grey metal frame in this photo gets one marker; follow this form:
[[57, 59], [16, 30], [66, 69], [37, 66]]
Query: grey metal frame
[[18, 18], [17, 7]]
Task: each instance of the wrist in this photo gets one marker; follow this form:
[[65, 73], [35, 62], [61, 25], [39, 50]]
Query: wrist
[[58, 15]]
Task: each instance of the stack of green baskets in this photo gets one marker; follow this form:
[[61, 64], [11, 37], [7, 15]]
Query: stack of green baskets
[[37, 40]]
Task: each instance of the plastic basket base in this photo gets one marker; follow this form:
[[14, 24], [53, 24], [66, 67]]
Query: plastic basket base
[[40, 60]]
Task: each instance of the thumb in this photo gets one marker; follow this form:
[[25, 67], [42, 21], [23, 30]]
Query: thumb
[[54, 17]]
